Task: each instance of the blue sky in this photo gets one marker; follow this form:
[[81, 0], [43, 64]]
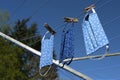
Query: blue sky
[[53, 11]]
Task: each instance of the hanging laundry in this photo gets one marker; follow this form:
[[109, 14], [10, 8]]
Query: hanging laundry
[[94, 35], [47, 51], [67, 47]]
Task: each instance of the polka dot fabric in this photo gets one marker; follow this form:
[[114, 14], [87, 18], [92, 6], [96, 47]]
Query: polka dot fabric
[[67, 47], [47, 52], [94, 35]]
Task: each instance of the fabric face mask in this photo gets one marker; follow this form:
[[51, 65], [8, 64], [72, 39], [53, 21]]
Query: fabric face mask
[[94, 35], [47, 51]]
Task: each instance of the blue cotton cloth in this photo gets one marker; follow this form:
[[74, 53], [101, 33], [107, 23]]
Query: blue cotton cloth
[[46, 52], [94, 35], [67, 47]]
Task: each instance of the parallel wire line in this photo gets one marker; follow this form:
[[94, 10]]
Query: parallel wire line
[[116, 50], [58, 28], [116, 18], [115, 37], [34, 42], [96, 2], [82, 13], [30, 37], [108, 1], [37, 10], [62, 25], [32, 13], [40, 39], [16, 9], [38, 35], [19, 6]]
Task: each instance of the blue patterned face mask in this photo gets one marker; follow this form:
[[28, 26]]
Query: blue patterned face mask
[[47, 51], [94, 35], [67, 47]]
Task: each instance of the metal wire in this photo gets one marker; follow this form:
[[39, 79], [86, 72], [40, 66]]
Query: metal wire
[[18, 7]]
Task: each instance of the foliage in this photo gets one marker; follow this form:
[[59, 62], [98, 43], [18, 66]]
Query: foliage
[[17, 63], [4, 27], [28, 35], [10, 61]]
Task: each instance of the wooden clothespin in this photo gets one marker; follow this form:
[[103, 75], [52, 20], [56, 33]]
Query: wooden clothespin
[[68, 19], [87, 9], [49, 29]]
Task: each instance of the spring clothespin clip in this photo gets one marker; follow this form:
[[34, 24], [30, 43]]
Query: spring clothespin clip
[[69, 20], [49, 29], [89, 8]]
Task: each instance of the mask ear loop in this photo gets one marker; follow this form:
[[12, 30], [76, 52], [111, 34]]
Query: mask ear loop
[[68, 62], [103, 56], [49, 66], [45, 35], [45, 72]]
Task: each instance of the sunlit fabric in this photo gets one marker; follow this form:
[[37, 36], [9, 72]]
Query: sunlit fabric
[[46, 52], [67, 47], [94, 35]]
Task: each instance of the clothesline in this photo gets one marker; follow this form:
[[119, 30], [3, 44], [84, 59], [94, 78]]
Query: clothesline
[[97, 56]]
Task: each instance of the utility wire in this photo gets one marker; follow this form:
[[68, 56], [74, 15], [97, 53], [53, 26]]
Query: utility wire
[[37, 10], [39, 35], [34, 42], [40, 39], [63, 24], [30, 37], [18, 8], [116, 18], [108, 1], [96, 2], [116, 50], [115, 37]]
